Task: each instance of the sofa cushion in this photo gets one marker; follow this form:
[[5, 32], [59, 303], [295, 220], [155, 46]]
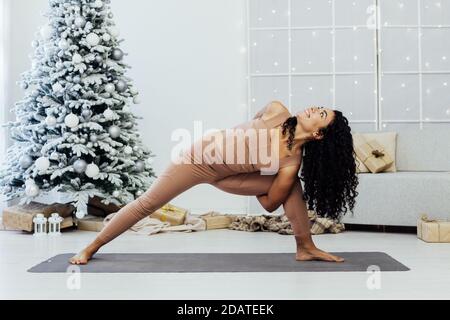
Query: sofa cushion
[[399, 198], [424, 150]]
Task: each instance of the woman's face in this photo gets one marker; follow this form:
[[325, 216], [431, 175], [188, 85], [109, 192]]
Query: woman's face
[[314, 118]]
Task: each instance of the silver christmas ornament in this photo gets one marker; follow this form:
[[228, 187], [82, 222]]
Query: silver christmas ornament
[[99, 59], [63, 44], [128, 150], [136, 100], [117, 54], [98, 4], [80, 166], [110, 88], [24, 85], [121, 86], [76, 59], [114, 131], [106, 37], [93, 138], [50, 121], [76, 79], [42, 163], [32, 190], [116, 193], [25, 161], [35, 43], [71, 120], [139, 166], [133, 91], [93, 39], [108, 114], [92, 170], [80, 22], [46, 32], [139, 193]]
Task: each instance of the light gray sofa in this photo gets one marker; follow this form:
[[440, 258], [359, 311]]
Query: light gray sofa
[[420, 185]]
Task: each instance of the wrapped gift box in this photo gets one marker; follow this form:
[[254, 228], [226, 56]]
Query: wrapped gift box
[[90, 223], [97, 208], [172, 214], [216, 220], [374, 156], [20, 217], [430, 230]]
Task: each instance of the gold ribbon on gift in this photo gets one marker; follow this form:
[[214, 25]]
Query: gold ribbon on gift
[[168, 208], [171, 207], [424, 217], [373, 155], [377, 153]]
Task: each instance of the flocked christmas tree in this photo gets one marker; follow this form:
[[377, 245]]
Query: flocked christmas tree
[[74, 131]]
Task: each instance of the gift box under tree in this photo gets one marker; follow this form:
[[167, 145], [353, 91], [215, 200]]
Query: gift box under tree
[[20, 217]]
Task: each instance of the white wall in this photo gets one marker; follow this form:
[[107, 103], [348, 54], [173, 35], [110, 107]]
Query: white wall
[[186, 60]]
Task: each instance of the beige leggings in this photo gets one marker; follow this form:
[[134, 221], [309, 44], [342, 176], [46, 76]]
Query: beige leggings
[[178, 178]]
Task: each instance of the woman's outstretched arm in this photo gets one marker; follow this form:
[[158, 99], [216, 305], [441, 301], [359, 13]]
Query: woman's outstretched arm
[[280, 188]]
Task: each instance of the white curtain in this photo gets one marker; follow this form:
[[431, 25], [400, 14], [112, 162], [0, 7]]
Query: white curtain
[[4, 78], [4, 70]]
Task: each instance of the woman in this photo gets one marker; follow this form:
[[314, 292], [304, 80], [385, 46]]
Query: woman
[[318, 140]]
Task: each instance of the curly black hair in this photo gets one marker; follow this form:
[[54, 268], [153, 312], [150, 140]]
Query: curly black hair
[[328, 168]]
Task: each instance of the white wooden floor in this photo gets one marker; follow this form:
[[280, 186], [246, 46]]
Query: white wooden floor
[[429, 277]]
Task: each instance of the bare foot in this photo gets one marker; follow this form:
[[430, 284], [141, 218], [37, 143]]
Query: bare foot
[[83, 256], [316, 254]]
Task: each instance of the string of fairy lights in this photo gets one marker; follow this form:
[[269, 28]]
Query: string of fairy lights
[[397, 57]]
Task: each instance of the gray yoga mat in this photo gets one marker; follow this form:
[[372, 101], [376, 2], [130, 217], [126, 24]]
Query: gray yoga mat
[[219, 262]]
